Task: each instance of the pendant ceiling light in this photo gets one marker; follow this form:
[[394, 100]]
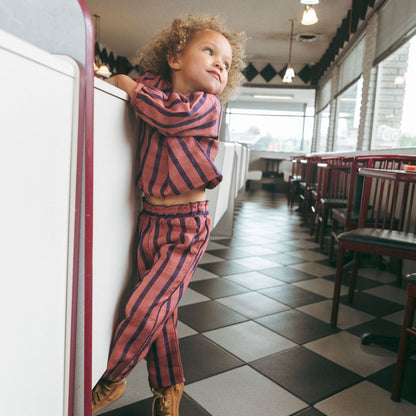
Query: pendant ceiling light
[[290, 73], [309, 14]]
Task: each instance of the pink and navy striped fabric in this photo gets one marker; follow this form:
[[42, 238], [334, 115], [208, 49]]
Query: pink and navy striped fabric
[[172, 240], [178, 138]]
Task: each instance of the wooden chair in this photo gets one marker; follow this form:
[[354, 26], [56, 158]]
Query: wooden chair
[[315, 196], [387, 225], [297, 176], [306, 187], [346, 218], [408, 331], [334, 194]]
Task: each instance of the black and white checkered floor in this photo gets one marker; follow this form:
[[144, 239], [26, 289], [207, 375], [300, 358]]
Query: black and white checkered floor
[[255, 333]]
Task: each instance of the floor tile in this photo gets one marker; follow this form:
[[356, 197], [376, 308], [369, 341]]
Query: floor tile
[[321, 287], [185, 330], [254, 280], [346, 350], [347, 316], [243, 392], [298, 370], [364, 399], [284, 259], [253, 239], [287, 274], [380, 276], [362, 283], [389, 292], [315, 269], [256, 263], [201, 274], [249, 340], [217, 288], [309, 255], [252, 304], [213, 245], [377, 326], [229, 253], [202, 358], [310, 412], [364, 301], [205, 316], [210, 258], [192, 296], [291, 295], [259, 250], [385, 377], [223, 268], [396, 317], [296, 326]]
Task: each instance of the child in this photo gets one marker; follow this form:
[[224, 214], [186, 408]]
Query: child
[[187, 67]]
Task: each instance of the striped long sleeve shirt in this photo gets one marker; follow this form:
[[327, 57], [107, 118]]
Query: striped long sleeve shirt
[[178, 138]]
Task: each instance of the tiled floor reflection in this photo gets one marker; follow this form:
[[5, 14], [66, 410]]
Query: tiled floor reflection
[[255, 333]]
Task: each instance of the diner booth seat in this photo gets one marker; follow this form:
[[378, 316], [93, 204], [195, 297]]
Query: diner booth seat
[[44, 105]]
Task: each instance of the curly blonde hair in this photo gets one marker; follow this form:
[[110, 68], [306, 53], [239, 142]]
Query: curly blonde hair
[[172, 40]]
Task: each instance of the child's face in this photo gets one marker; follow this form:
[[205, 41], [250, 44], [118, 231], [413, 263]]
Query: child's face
[[203, 65]]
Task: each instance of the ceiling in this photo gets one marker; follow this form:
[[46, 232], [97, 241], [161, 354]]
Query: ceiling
[[126, 25]]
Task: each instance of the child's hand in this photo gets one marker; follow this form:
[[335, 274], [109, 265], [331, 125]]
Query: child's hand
[[123, 82]]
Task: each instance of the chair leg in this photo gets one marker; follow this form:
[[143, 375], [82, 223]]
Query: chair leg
[[312, 220], [331, 243], [403, 349], [353, 279], [399, 272], [337, 286], [324, 222]]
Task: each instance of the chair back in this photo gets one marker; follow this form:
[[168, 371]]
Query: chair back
[[388, 195]]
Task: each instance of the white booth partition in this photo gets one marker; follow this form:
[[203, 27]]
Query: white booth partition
[[38, 175], [115, 214], [46, 109], [221, 198]]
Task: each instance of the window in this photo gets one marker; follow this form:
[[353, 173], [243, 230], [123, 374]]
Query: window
[[322, 135], [271, 130], [394, 124], [348, 118]]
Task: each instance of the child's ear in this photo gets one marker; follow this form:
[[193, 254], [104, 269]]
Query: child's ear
[[174, 62]]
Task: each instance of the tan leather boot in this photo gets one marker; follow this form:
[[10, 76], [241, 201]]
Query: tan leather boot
[[106, 392], [166, 401]]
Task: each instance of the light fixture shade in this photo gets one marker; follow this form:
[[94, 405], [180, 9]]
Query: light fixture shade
[[103, 71], [287, 80], [309, 1], [290, 72], [309, 16]]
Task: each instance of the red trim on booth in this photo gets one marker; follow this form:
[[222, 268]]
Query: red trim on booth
[[89, 177], [77, 228]]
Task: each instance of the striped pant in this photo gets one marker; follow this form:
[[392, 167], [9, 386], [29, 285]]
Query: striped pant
[[172, 240]]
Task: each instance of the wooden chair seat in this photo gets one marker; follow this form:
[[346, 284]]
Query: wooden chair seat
[[333, 203], [393, 240]]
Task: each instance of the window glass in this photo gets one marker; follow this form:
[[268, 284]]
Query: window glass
[[322, 137], [348, 118], [266, 130], [394, 117]]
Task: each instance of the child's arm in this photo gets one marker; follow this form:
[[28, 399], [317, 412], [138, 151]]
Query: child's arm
[[123, 82], [172, 114]]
